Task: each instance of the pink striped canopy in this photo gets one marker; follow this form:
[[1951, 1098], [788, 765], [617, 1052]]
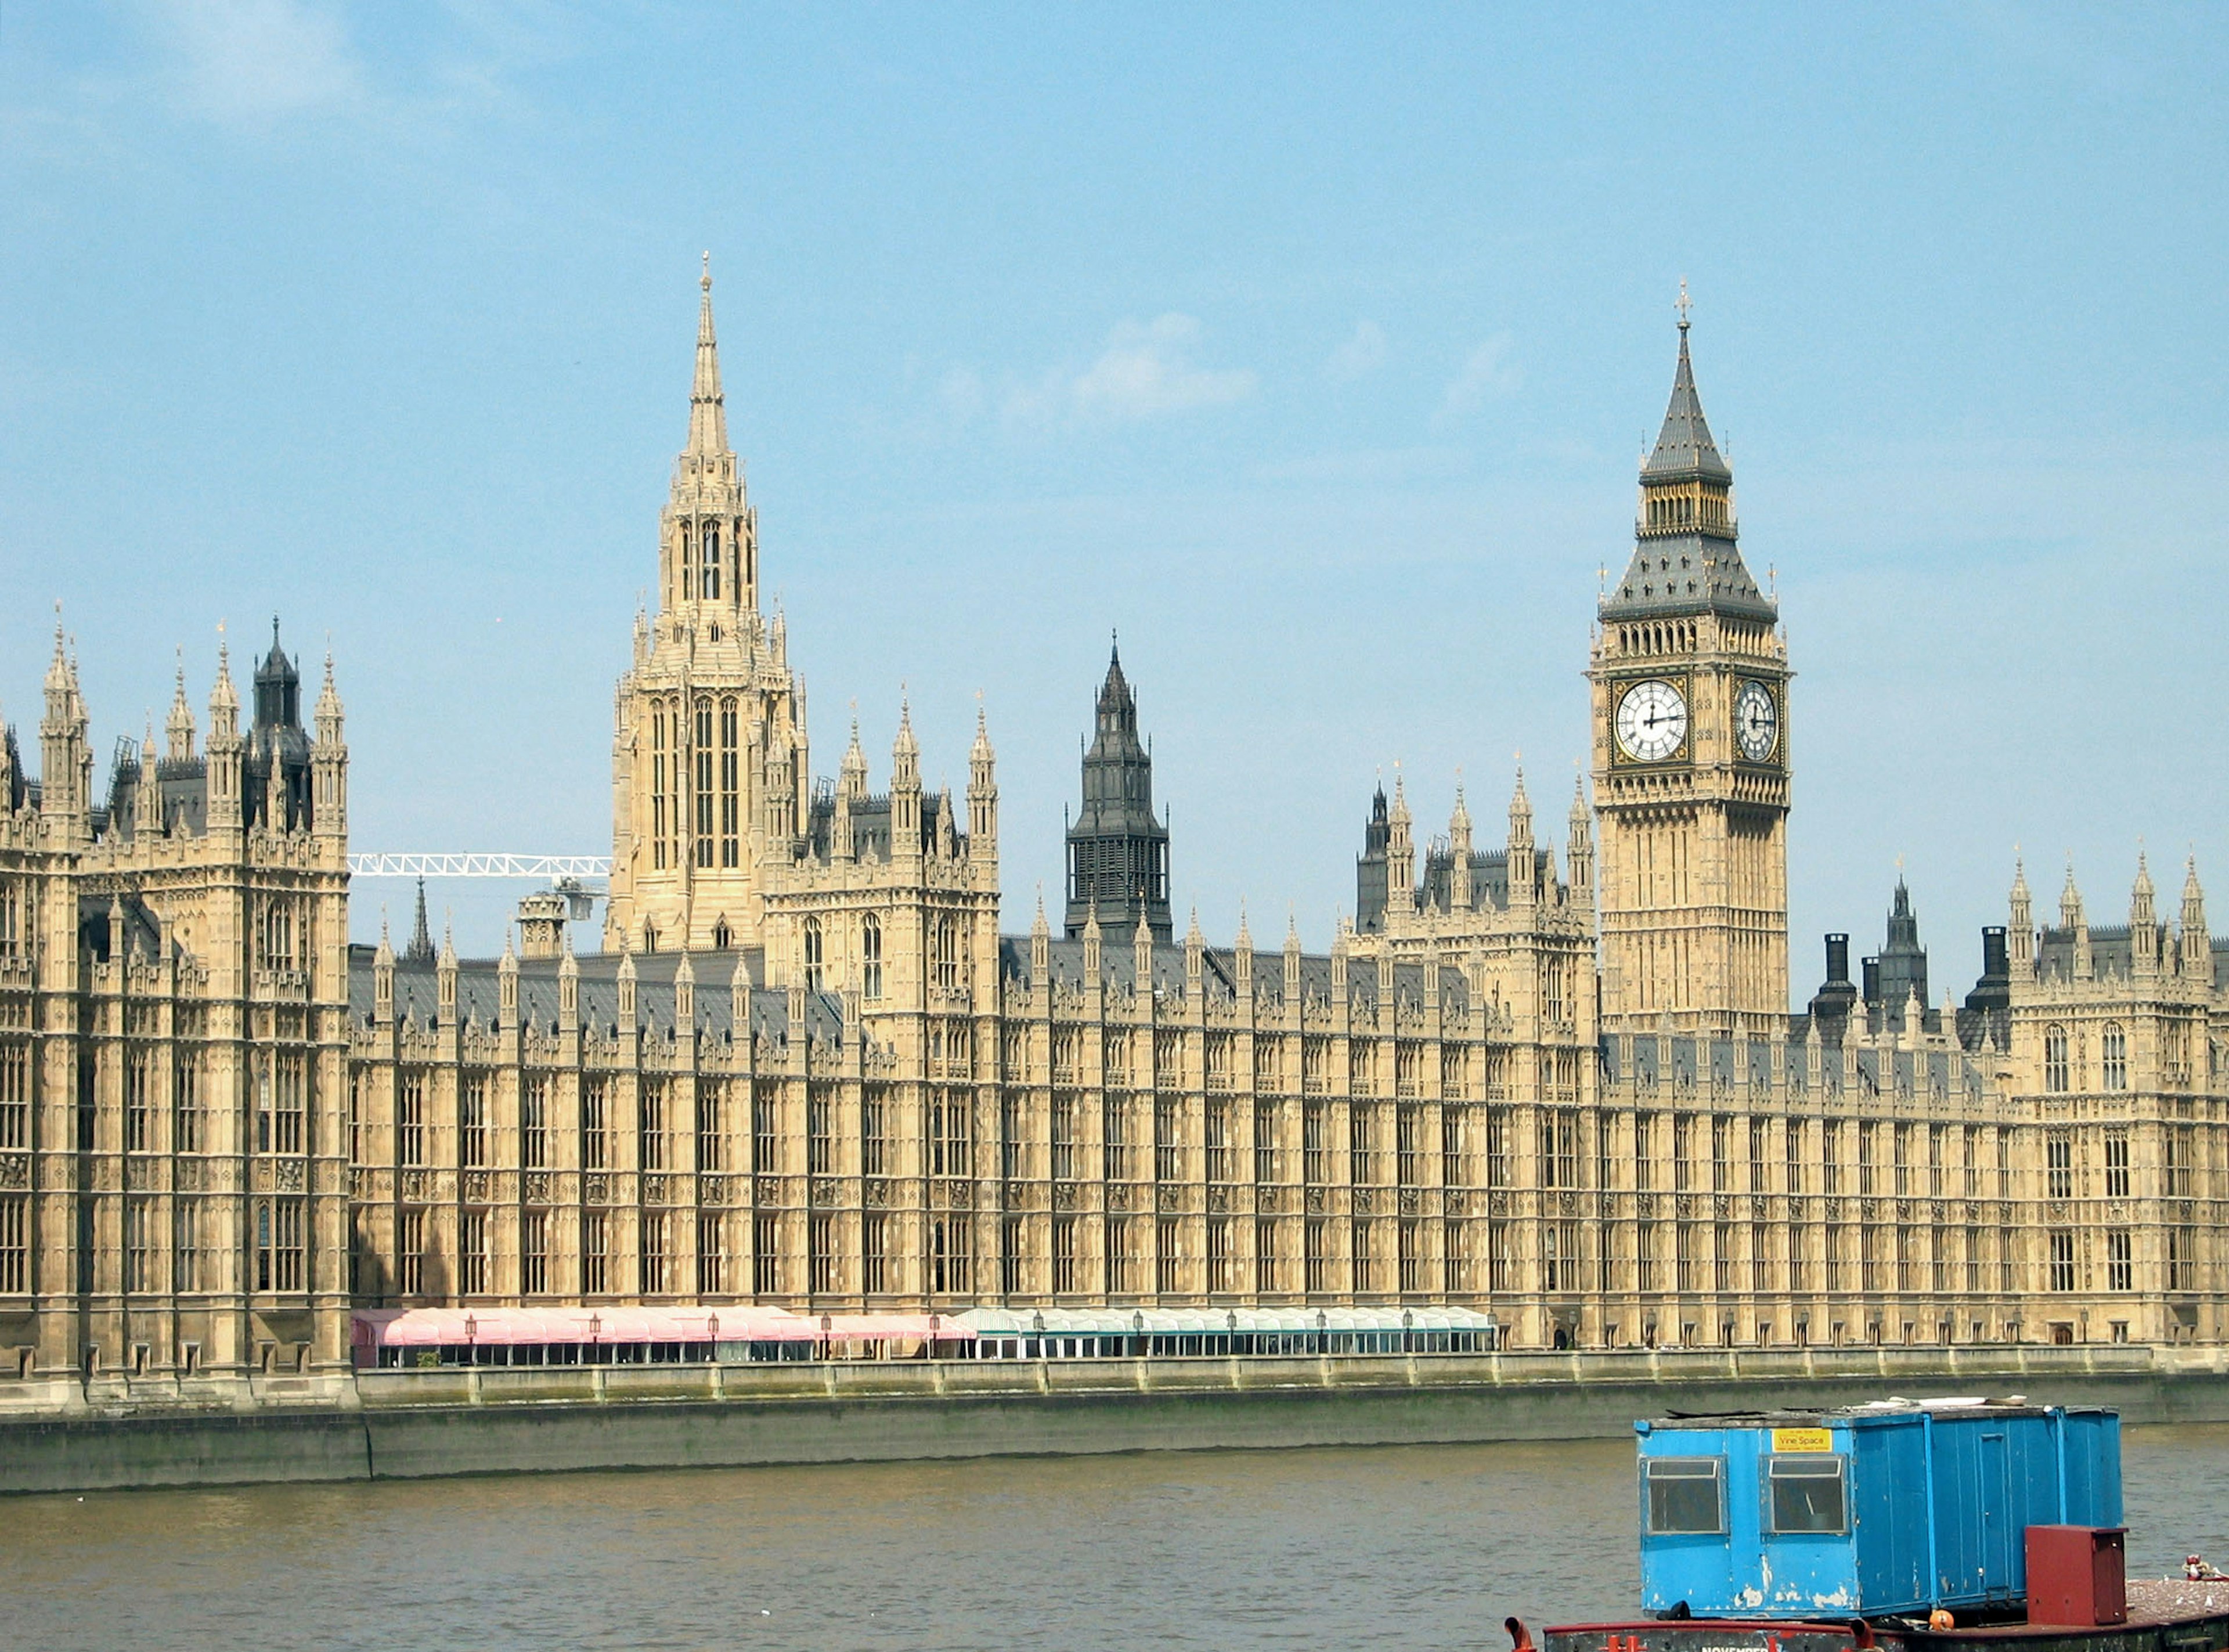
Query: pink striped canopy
[[421, 1327]]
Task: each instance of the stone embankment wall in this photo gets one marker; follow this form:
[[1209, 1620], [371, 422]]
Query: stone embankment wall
[[404, 1424]]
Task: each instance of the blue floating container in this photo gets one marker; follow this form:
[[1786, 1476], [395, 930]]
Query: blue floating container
[[1868, 1511]]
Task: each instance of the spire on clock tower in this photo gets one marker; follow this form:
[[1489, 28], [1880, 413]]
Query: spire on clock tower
[[1685, 556]]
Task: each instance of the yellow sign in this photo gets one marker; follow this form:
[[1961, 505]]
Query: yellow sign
[[1801, 1439]]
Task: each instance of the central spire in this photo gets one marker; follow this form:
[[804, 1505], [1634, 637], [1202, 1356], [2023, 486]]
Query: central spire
[[708, 412]]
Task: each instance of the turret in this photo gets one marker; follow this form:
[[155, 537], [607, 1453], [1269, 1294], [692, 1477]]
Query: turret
[[226, 751], [1579, 855], [1460, 897], [382, 978], [627, 975], [850, 792], [2197, 946], [444, 978], [1142, 957], [1400, 853], [1094, 939], [1523, 874], [905, 787], [2070, 919], [329, 763], [506, 984], [2020, 923], [2143, 921], [1292, 962], [1040, 945], [1241, 961], [179, 727], [1195, 957], [739, 998], [65, 749], [684, 995], [982, 794], [569, 988]]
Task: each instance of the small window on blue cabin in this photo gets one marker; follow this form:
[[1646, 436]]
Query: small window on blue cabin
[[1684, 1495], [1806, 1493]]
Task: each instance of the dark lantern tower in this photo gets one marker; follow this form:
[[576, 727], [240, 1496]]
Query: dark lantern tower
[[1118, 854]]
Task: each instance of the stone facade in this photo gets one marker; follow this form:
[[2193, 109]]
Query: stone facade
[[173, 1047], [1556, 1083]]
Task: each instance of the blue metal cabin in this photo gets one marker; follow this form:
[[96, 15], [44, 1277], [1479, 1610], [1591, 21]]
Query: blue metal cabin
[[1865, 1511]]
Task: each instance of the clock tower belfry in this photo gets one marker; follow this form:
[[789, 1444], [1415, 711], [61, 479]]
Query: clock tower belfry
[[1690, 676]]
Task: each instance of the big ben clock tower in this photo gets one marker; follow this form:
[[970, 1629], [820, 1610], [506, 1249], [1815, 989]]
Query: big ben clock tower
[[1690, 683]]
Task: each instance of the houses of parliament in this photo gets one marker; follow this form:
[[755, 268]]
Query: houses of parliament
[[1548, 1072]]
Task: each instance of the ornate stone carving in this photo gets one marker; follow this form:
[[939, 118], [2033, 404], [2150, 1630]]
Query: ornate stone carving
[[479, 1187], [538, 1188], [598, 1189], [1066, 1196], [15, 1170], [657, 1190], [766, 1192], [142, 1175], [289, 1176], [417, 1185]]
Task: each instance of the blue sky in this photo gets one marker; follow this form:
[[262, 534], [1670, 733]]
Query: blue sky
[[1314, 349]]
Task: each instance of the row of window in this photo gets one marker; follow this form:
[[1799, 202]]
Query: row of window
[[2062, 1062], [153, 1237], [706, 771]]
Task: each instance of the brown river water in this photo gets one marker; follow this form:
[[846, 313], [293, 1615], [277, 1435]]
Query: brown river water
[[1396, 1546]]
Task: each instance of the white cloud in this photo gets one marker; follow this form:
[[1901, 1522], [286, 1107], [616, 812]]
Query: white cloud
[[1360, 356], [1487, 372], [962, 391], [248, 61], [1145, 371]]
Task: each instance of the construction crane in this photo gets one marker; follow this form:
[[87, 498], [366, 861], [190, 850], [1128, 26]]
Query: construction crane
[[581, 879]]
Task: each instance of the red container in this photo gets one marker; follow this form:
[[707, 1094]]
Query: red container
[[2078, 1575]]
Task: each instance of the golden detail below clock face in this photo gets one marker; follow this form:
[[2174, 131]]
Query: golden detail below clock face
[[1756, 721], [1652, 721]]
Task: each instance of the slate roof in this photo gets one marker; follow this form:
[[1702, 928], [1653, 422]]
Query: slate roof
[[1684, 449]]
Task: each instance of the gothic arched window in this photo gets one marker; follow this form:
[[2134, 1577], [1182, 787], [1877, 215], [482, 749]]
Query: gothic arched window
[[731, 773], [2054, 1059], [813, 974], [870, 958], [2115, 1047], [687, 582], [711, 561], [661, 824], [944, 954], [704, 710], [722, 937]]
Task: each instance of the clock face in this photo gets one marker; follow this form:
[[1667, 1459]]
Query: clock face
[[1652, 721], [1756, 721]]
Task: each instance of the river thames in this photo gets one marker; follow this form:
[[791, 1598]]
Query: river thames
[[1413, 1547]]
